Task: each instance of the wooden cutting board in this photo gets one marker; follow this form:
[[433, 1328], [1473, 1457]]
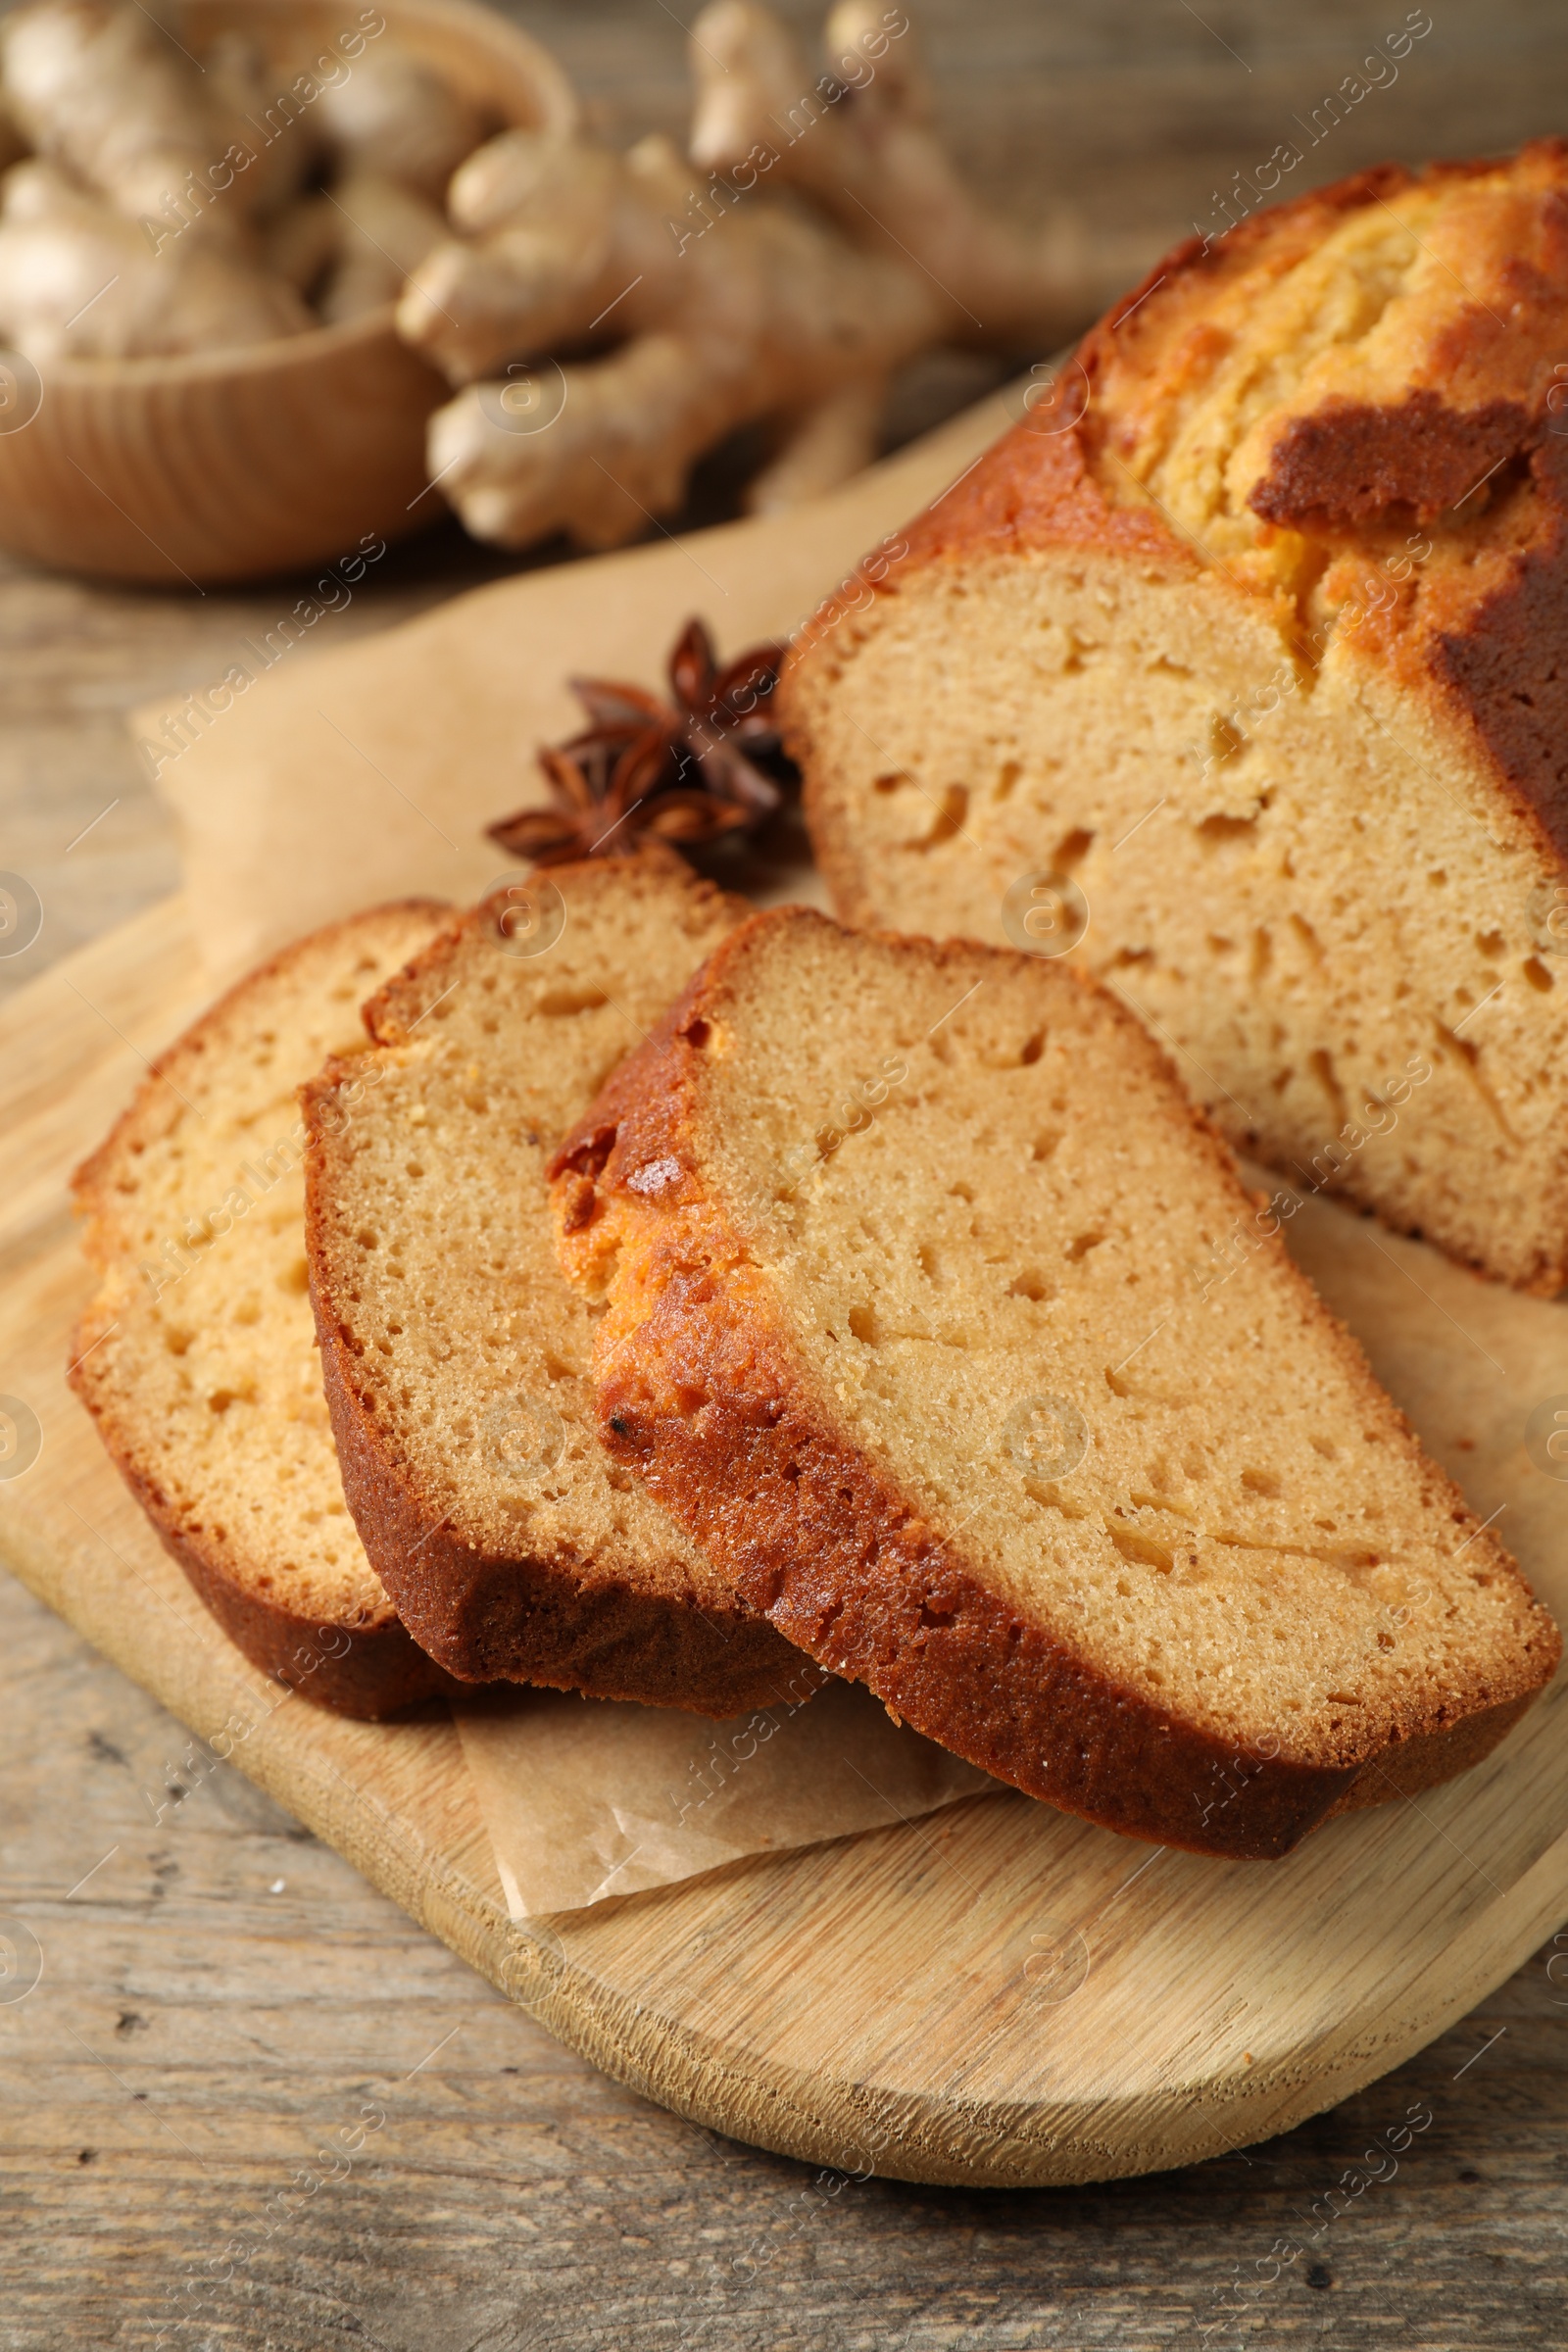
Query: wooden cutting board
[[1000, 1994]]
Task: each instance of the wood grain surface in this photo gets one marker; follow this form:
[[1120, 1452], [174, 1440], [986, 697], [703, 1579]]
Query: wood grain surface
[[224, 1993]]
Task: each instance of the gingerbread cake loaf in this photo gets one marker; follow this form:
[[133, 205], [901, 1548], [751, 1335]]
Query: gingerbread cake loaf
[[1238, 670]]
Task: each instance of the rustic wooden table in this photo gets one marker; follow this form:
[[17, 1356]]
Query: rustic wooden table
[[219, 1993]]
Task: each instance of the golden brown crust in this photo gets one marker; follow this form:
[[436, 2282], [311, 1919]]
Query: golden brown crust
[[705, 1396], [1030, 489], [1350, 461], [556, 1618], [1428, 1757], [843, 1565], [369, 1668], [368, 1671]]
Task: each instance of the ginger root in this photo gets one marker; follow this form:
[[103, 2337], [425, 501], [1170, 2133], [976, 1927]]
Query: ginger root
[[97, 88], [349, 249], [302, 241], [830, 242], [395, 117], [79, 280], [160, 211], [773, 316], [383, 233], [871, 157]]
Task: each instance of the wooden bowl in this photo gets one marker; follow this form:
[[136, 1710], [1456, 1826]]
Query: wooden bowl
[[267, 457]]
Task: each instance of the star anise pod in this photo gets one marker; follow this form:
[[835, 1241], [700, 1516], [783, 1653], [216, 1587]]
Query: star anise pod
[[708, 763]]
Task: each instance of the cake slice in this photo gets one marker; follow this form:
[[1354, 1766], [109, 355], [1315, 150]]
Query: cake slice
[[905, 1249], [1240, 670], [456, 1355], [196, 1355]]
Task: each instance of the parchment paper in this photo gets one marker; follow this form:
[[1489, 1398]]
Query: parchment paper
[[588, 1798]]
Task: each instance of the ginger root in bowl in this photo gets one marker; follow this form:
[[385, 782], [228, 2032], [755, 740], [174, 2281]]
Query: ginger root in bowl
[[200, 251]]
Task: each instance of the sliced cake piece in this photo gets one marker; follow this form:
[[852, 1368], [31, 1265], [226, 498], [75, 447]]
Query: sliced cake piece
[[197, 1354], [456, 1357], [904, 1249]]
